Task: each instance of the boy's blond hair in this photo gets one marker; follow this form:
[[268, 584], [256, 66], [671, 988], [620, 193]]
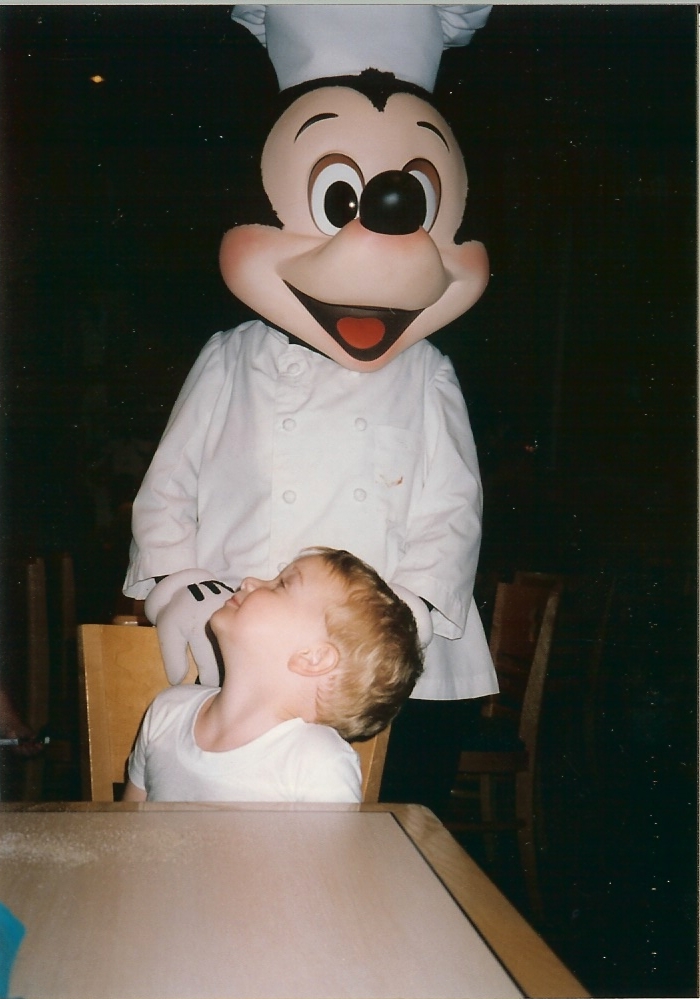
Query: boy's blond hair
[[380, 657]]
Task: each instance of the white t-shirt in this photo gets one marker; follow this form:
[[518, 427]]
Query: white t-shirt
[[294, 761]]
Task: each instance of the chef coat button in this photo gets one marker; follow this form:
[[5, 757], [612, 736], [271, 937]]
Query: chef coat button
[[289, 496], [360, 424], [294, 368], [360, 495], [289, 423]]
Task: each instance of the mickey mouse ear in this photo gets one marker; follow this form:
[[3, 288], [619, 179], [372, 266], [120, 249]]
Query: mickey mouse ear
[[313, 41]]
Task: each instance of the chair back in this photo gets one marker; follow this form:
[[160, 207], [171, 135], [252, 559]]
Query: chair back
[[520, 644], [530, 578], [121, 671]]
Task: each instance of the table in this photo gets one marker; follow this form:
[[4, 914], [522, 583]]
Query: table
[[154, 900]]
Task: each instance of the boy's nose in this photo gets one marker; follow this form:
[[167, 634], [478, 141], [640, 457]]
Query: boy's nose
[[250, 583]]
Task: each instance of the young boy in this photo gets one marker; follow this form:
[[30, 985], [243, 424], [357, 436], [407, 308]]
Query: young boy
[[324, 653]]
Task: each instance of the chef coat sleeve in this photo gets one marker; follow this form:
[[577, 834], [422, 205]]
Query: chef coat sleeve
[[164, 516], [444, 524]]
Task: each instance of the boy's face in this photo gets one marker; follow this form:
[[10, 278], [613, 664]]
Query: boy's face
[[281, 616]]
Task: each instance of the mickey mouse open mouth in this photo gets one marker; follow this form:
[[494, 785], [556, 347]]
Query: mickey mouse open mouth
[[364, 333]]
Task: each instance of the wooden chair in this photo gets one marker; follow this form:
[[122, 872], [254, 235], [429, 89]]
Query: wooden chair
[[37, 714], [578, 677], [506, 744], [65, 571], [121, 671], [529, 578], [37, 615]]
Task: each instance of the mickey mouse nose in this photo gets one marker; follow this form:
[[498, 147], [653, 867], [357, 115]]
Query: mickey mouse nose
[[393, 203]]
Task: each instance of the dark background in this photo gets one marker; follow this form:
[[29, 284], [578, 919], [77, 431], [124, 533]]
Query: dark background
[[578, 125]]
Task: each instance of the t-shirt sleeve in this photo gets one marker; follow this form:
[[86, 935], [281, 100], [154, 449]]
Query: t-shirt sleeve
[[331, 772], [137, 759]]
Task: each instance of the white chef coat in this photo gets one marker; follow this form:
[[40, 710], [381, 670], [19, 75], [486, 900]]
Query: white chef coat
[[272, 447]]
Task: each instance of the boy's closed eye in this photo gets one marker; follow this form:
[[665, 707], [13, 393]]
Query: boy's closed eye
[[288, 577]]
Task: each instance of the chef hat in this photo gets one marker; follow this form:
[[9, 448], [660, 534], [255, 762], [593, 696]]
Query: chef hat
[[314, 41]]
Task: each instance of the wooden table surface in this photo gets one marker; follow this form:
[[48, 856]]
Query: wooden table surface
[[175, 900]]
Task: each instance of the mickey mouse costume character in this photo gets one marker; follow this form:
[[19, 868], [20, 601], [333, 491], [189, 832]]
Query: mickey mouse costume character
[[330, 420]]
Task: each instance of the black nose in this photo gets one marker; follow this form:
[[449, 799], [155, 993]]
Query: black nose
[[393, 203]]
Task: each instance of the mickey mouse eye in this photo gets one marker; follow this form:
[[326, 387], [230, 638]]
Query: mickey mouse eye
[[429, 179], [335, 186]]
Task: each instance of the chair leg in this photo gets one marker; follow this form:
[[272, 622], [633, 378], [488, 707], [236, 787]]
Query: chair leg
[[37, 671], [524, 806], [488, 813]]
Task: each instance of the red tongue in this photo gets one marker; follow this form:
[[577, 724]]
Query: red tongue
[[361, 333]]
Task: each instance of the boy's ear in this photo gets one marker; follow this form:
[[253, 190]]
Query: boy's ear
[[316, 661]]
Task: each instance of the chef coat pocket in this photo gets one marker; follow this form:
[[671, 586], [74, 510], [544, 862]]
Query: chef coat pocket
[[395, 470]]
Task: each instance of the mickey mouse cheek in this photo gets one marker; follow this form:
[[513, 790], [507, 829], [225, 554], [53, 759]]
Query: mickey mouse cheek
[[248, 260], [236, 246]]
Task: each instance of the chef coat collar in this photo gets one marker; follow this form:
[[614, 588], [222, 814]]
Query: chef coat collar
[[294, 340]]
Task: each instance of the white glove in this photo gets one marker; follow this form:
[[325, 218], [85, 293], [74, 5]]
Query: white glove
[[419, 609], [180, 607]]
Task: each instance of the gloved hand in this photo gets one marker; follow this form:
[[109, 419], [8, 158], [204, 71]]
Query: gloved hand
[[180, 607], [419, 609]]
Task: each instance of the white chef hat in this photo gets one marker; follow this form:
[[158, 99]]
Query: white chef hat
[[313, 41]]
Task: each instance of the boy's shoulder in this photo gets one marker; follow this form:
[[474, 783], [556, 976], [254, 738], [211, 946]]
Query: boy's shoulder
[[173, 709], [181, 694], [322, 739], [324, 766]]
